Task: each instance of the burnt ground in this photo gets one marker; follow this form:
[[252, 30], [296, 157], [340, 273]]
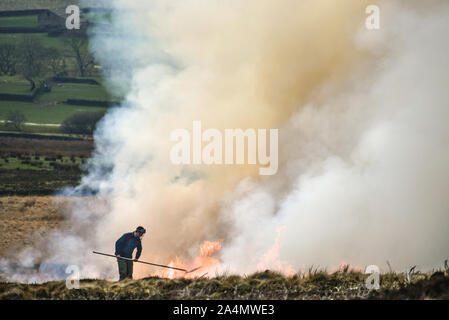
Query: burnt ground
[[37, 182], [45, 146]]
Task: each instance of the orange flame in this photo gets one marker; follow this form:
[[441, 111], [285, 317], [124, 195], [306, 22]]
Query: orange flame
[[208, 248], [209, 264], [205, 261], [271, 260]]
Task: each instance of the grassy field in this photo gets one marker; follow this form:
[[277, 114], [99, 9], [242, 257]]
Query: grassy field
[[44, 112], [48, 42], [35, 129], [57, 43], [59, 91], [14, 85], [64, 91], [40, 166], [265, 285], [25, 220], [49, 107], [29, 216], [49, 4], [19, 21]]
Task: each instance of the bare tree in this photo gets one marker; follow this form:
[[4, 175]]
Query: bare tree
[[56, 62], [8, 59], [16, 118], [79, 48], [33, 62], [81, 122]]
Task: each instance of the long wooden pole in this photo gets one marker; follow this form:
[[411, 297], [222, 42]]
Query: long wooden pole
[[153, 264]]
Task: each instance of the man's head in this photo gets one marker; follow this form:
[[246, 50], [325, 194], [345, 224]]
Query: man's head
[[140, 231]]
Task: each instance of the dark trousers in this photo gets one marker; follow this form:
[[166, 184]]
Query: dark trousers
[[125, 269]]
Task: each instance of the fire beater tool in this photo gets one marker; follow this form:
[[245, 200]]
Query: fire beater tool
[[152, 264]]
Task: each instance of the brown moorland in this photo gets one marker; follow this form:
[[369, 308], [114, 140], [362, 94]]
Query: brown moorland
[[24, 218]]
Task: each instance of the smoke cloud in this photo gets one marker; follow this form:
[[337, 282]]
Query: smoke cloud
[[362, 116]]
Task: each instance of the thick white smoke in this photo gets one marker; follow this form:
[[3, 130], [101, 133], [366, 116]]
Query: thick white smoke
[[364, 141], [367, 169]]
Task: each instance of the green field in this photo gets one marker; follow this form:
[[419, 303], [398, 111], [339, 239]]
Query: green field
[[41, 113], [49, 42], [40, 166], [57, 43], [19, 21], [40, 129], [14, 85], [49, 4], [49, 109], [64, 91]]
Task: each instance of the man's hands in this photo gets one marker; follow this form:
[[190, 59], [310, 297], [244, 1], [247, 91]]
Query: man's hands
[[118, 256]]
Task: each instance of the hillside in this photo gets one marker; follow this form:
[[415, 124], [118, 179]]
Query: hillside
[[48, 4], [261, 285]]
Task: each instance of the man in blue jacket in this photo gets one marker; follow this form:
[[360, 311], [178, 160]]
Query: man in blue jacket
[[124, 248]]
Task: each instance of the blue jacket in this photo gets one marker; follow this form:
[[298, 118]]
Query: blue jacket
[[126, 245]]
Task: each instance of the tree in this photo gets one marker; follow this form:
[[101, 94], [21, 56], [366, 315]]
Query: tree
[[15, 118], [79, 48], [8, 59], [81, 122], [56, 63], [33, 64]]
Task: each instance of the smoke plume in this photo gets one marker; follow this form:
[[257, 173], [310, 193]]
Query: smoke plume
[[363, 136]]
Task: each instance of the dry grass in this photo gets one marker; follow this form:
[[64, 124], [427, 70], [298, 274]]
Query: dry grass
[[24, 218], [262, 285]]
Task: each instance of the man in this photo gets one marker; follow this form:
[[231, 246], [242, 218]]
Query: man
[[124, 248]]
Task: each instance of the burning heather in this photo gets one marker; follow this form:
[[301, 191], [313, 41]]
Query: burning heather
[[362, 172], [204, 263]]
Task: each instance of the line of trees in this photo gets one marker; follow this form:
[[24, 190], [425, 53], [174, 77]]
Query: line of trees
[[35, 62], [83, 123]]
